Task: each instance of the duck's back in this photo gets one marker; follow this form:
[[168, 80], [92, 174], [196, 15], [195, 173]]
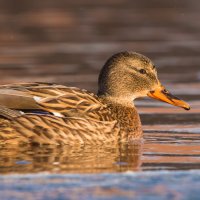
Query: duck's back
[[53, 114], [54, 99]]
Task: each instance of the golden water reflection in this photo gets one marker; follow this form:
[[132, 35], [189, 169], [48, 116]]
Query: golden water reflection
[[86, 159]]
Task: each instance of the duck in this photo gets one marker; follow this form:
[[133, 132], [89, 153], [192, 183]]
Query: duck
[[52, 114]]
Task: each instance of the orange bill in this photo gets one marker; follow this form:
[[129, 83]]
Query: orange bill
[[162, 94]]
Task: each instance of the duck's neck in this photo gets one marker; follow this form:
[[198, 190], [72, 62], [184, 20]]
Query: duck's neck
[[125, 113]]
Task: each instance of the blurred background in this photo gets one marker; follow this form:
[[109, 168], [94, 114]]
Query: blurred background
[[67, 42]]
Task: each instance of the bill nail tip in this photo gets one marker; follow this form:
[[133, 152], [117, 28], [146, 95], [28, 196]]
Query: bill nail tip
[[187, 108]]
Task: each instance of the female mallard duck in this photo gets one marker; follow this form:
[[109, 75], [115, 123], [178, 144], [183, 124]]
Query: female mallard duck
[[45, 113]]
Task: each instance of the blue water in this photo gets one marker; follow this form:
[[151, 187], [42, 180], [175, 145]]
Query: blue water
[[143, 185]]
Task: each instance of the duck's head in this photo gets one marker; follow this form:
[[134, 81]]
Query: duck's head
[[129, 75]]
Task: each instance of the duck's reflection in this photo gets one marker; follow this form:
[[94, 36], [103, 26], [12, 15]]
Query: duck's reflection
[[67, 159]]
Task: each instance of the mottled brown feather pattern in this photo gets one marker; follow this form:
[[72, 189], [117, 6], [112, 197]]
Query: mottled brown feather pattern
[[68, 101], [86, 118], [44, 129], [78, 104]]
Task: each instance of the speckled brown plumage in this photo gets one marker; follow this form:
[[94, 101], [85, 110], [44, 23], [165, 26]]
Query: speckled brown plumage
[[43, 129], [42, 113], [86, 118]]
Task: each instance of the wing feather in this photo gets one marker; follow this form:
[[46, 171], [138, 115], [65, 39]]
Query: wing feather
[[56, 99]]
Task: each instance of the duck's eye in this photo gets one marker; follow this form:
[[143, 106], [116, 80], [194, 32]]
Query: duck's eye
[[142, 71]]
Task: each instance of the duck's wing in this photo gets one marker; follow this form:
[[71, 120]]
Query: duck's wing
[[21, 96], [59, 100], [76, 103], [46, 129]]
